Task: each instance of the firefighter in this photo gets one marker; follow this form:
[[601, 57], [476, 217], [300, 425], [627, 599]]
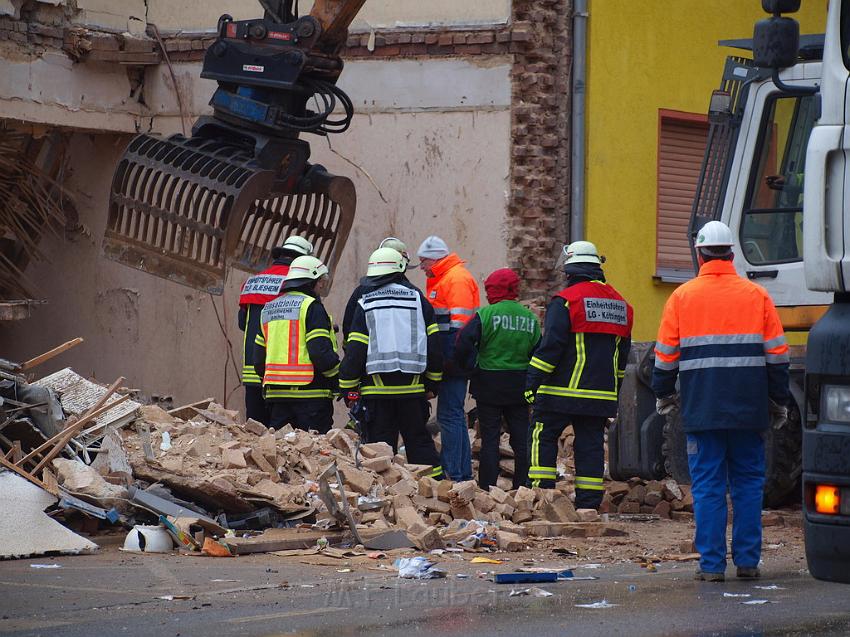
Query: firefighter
[[257, 291], [295, 352], [721, 335], [393, 359], [351, 306], [498, 343], [574, 376], [453, 292]]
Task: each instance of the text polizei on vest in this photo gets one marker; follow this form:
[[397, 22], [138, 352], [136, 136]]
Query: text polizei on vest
[[513, 323], [606, 311]]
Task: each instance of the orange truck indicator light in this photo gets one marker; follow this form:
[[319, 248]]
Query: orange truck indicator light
[[827, 499]]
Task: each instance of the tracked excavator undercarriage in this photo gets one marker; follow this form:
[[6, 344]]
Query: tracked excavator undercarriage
[[188, 208]]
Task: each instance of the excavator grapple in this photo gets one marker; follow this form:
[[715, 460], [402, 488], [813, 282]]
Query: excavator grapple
[[188, 208]]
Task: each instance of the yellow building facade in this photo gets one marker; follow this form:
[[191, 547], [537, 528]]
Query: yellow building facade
[[647, 58]]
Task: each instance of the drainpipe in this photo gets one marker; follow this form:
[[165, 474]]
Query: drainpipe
[[578, 137]]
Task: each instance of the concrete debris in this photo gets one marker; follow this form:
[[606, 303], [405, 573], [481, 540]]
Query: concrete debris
[[25, 529]]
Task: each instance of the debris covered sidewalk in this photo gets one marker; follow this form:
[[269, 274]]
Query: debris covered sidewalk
[[201, 479]]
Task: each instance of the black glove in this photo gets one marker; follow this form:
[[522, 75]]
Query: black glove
[[667, 404]]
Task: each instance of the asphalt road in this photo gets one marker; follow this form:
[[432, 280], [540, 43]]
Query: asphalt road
[[119, 594]]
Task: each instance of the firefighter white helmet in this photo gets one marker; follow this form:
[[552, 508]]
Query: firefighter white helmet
[[298, 244], [396, 244], [386, 261], [304, 269], [579, 252], [714, 234]]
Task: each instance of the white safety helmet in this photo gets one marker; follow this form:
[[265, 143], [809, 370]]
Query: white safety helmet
[[386, 261], [304, 269], [396, 244], [298, 244], [579, 252], [714, 234]]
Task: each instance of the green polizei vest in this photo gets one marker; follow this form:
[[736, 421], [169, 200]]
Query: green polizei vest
[[508, 332]]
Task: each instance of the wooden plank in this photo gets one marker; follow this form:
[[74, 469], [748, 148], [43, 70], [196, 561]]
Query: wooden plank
[[281, 540], [187, 411], [72, 431], [98, 408], [25, 475], [38, 360]]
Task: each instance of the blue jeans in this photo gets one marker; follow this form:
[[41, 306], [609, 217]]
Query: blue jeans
[[456, 454], [721, 459]]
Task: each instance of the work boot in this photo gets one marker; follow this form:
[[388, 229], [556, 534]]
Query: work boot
[[749, 572], [710, 577]]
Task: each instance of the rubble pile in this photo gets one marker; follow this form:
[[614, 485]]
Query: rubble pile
[[222, 463], [214, 481]]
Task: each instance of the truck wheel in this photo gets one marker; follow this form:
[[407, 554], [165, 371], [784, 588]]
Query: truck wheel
[[673, 449], [784, 461]]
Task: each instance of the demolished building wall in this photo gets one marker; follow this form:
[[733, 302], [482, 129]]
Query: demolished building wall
[[441, 143]]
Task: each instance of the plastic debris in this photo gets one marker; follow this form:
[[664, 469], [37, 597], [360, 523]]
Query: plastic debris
[[596, 605], [771, 587], [417, 568], [45, 566], [165, 445], [486, 560], [462, 575], [736, 595], [173, 598], [589, 566], [532, 592], [756, 602], [525, 578]]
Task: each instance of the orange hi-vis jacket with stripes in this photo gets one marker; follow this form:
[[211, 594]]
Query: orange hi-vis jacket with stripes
[[295, 351], [453, 293], [721, 335]]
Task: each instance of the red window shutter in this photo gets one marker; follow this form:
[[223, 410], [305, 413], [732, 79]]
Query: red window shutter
[[681, 146]]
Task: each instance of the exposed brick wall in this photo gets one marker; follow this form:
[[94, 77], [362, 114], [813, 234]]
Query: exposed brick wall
[[538, 209]]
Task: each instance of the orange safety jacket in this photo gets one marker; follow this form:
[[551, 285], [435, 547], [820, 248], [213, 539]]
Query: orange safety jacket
[[453, 293], [721, 335]]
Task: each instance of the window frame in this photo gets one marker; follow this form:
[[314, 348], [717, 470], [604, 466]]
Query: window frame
[[666, 274], [767, 117]]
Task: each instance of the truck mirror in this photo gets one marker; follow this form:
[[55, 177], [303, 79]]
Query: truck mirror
[[776, 42], [780, 6]]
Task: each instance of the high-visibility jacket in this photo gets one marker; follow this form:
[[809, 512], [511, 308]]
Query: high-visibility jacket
[[256, 292], [393, 326], [453, 293], [582, 356], [721, 335], [497, 344], [295, 351]]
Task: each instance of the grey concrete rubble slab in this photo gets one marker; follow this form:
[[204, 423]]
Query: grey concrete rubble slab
[[25, 529]]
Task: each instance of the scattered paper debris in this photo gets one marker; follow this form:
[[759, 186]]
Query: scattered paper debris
[[45, 566], [532, 592], [418, 568], [173, 598], [771, 587], [756, 602], [736, 595], [595, 605]]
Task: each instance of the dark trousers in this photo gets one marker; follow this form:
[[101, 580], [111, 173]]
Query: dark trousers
[[490, 419], [386, 418], [255, 404], [589, 451], [302, 413]]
